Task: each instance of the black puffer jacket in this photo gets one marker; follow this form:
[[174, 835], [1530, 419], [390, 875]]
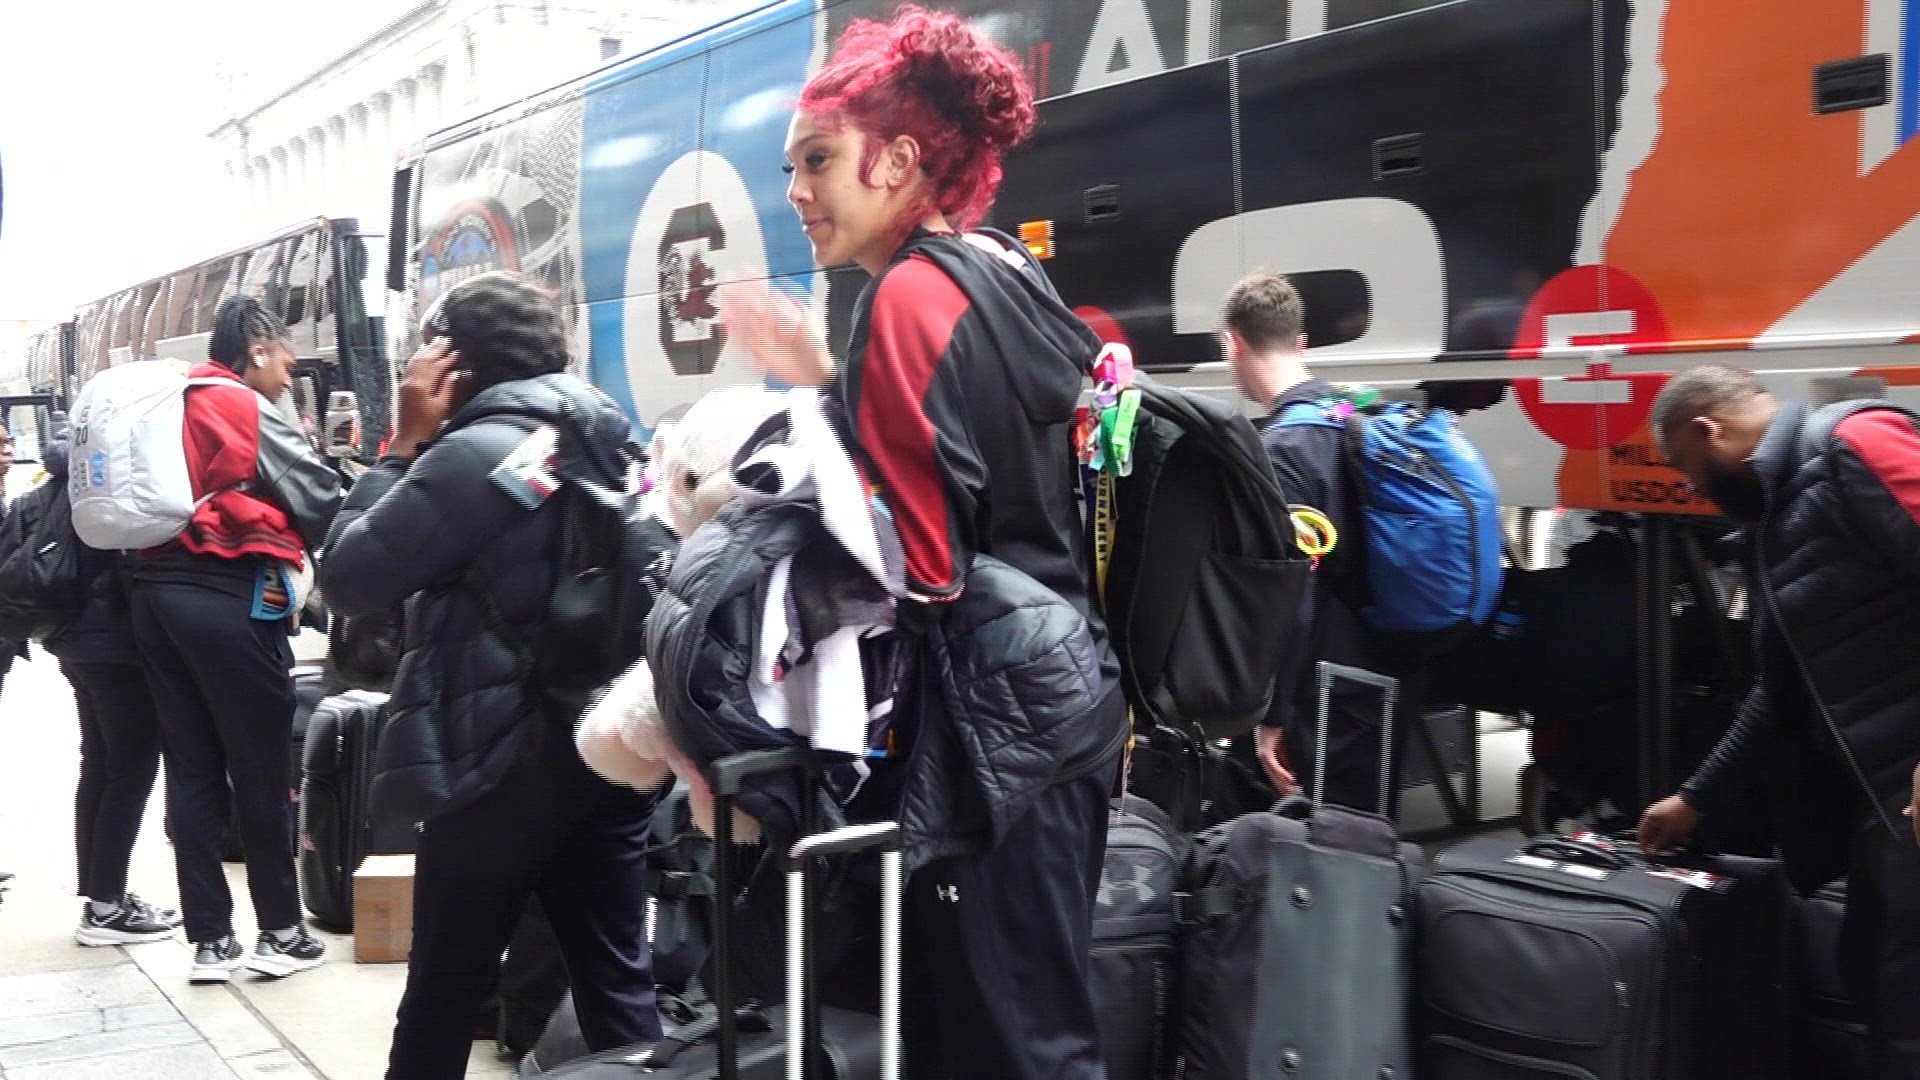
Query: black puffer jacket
[[444, 533], [1836, 566], [1010, 695]]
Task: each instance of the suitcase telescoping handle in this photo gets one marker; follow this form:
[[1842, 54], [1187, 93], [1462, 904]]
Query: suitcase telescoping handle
[[803, 1025], [801, 1039], [1389, 688]]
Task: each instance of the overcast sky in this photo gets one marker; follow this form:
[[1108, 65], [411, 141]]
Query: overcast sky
[[108, 176]]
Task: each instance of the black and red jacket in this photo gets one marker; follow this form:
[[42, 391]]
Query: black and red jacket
[[963, 373], [962, 377]]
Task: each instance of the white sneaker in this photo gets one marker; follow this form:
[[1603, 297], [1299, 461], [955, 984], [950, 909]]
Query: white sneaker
[[277, 959], [126, 924], [215, 961]]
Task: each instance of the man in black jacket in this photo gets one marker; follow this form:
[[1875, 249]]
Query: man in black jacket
[[1830, 733], [463, 517], [1262, 335]]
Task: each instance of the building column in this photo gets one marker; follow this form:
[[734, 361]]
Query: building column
[[432, 98], [297, 178], [277, 182], [381, 143], [260, 196], [341, 163]]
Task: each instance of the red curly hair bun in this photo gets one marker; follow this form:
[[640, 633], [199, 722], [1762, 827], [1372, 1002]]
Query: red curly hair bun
[[929, 75]]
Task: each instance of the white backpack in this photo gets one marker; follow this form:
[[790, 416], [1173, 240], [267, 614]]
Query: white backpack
[[127, 476]]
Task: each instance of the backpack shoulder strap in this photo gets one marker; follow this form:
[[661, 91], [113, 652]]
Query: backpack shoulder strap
[[1306, 414]]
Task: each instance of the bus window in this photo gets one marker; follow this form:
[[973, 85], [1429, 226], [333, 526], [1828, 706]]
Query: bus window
[[266, 277], [213, 289], [185, 301], [302, 404], [363, 357], [153, 323], [306, 269], [122, 326]]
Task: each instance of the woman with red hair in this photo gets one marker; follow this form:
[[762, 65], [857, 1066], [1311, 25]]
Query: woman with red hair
[[963, 372]]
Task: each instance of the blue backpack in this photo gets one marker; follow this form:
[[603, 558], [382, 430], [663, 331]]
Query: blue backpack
[[1429, 568]]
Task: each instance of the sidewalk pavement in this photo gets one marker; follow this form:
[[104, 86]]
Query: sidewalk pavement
[[125, 1012]]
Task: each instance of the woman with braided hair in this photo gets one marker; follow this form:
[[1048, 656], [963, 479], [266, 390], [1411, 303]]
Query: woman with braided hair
[[213, 609], [963, 371]]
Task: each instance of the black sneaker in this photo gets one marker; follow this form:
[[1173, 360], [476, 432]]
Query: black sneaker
[[163, 914], [124, 925], [276, 958], [216, 961]]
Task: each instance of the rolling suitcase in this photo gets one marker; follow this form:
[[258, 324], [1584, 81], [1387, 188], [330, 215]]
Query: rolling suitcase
[[1297, 935], [742, 1041], [1582, 957], [1830, 1027], [336, 831]]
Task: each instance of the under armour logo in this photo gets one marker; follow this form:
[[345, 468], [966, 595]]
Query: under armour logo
[[1141, 886], [949, 893]]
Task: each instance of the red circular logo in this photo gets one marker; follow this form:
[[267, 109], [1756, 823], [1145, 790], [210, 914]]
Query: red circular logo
[[1589, 305]]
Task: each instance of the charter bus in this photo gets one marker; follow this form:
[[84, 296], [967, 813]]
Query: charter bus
[[1569, 198], [1532, 211], [315, 275]]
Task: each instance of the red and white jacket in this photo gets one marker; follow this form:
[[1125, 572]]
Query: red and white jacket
[[275, 496]]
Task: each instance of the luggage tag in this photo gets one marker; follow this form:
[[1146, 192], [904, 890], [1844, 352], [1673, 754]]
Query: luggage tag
[[1695, 879], [527, 473], [1126, 415], [1114, 365]]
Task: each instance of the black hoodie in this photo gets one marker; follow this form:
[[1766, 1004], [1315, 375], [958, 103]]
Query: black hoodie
[[963, 373], [962, 377], [443, 531]]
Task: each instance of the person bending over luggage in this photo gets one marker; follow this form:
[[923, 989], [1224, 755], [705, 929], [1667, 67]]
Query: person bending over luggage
[[1830, 498], [962, 377], [213, 612], [455, 517], [119, 750], [1262, 335]]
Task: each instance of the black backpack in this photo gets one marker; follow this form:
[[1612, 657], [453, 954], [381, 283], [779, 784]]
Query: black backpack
[[614, 561], [46, 573], [1205, 582]]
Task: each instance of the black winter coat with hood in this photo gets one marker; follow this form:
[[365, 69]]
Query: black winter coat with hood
[[476, 568], [1831, 731]]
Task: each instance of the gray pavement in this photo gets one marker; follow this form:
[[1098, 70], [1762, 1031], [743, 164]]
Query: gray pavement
[[73, 1013]]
